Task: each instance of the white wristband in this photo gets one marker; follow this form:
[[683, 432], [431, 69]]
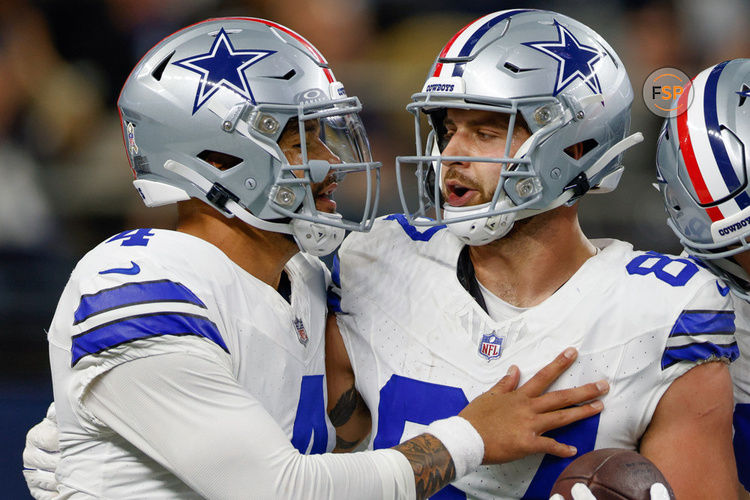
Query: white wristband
[[461, 440]]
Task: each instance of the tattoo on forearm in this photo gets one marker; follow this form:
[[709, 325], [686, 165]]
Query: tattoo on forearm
[[344, 445], [345, 407], [432, 464]]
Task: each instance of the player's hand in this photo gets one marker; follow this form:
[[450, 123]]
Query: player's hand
[[580, 491], [511, 421], [41, 456]]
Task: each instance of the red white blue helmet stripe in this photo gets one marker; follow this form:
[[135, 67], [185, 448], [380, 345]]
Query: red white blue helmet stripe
[[704, 151], [466, 39]]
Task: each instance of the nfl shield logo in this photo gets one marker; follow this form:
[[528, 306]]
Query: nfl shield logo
[[491, 346], [301, 333]]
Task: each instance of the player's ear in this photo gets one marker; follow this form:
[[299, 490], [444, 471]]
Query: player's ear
[[575, 151]]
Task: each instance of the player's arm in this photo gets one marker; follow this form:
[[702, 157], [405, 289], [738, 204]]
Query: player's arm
[[347, 410], [690, 435], [189, 414]]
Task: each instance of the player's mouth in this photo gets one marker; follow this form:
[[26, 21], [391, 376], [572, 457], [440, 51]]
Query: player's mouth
[[458, 194], [324, 198]]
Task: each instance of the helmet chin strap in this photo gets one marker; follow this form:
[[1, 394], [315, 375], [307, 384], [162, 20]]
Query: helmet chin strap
[[312, 238], [481, 230]]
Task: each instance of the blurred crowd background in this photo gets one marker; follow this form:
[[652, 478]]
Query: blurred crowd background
[[65, 181]]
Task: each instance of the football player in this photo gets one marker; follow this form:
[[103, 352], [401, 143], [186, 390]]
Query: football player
[[528, 112], [189, 363], [702, 168]]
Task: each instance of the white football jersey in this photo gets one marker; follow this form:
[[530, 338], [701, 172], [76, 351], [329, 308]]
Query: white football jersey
[[148, 292], [740, 370], [422, 347]]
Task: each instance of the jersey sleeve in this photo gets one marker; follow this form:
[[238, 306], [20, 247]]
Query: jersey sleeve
[[121, 306], [168, 406], [703, 331], [700, 329]]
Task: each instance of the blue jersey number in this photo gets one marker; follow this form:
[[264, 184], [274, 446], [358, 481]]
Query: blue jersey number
[[133, 238], [582, 435], [310, 422], [652, 262], [404, 400], [407, 400], [741, 440]]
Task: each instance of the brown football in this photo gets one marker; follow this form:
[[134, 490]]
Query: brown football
[[611, 474]]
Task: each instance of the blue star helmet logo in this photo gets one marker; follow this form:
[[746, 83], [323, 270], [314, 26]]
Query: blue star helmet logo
[[222, 66], [574, 59]]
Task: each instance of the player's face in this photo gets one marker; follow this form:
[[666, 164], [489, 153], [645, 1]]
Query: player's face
[[475, 133], [290, 144]]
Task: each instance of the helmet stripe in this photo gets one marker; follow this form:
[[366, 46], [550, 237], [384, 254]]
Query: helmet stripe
[[696, 123], [458, 69], [318, 56], [713, 130], [466, 39], [688, 156], [439, 65], [484, 28]]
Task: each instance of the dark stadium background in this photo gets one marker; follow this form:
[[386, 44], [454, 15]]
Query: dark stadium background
[[64, 178]]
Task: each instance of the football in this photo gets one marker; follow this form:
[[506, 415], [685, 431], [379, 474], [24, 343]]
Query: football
[[611, 474]]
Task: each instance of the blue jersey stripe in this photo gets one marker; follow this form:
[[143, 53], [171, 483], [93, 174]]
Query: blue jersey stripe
[[336, 270], [131, 294], [742, 443], [412, 231], [333, 297], [699, 351], [701, 322], [119, 332], [713, 129], [334, 302]]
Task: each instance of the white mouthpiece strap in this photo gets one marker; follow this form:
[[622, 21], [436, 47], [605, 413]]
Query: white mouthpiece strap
[[178, 168], [235, 209]]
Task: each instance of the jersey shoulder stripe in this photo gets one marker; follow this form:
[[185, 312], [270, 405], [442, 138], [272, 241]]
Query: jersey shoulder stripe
[[412, 231], [699, 335], [703, 322], [699, 351], [121, 331], [130, 294]]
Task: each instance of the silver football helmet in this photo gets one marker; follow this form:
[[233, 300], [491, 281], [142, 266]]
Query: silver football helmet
[[566, 83], [702, 167], [227, 88]]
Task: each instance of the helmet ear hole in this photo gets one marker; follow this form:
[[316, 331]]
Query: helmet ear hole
[[580, 149], [221, 161]]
